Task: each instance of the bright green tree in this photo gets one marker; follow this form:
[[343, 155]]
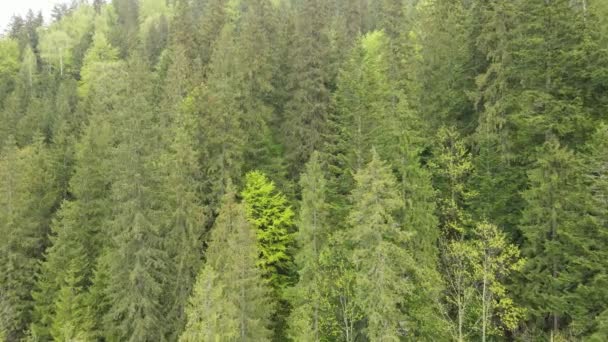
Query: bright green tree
[[272, 217], [496, 260]]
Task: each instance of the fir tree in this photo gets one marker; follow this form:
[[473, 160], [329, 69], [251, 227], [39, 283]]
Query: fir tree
[[78, 226], [313, 232], [231, 300], [272, 219], [379, 253], [29, 197], [306, 110], [555, 237], [136, 259], [185, 224]]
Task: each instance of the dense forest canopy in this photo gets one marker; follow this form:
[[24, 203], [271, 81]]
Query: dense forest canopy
[[305, 170]]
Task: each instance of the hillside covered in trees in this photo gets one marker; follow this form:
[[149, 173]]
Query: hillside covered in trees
[[305, 170]]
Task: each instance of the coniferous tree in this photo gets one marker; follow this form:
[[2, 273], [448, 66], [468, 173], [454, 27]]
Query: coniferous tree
[[137, 260], [30, 196], [78, 227], [313, 232], [382, 261], [222, 134], [306, 110], [272, 217], [231, 300], [554, 229], [183, 240], [591, 315]]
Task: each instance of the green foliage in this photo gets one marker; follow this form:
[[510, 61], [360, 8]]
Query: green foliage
[[272, 218], [127, 125], [231, 300], [556, 235], [381, 262], [28, 198], [313, 232]]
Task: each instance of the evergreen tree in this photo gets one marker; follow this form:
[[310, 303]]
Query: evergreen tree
[[272, 218], [379, 253], [185, 224], [78, 226], [231, 300], [29, 197], [591, 315], [555, 229], [306, 110], [137, 260], [313, 232], [222, 134]]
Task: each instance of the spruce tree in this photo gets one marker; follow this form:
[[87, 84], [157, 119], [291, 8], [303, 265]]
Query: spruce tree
[[313, 232], [79, 224], [185, 219], [137, 260], [382, 261], [29, 197], [555, 232], [222, 134], [306, 110], [231, 300], [272, 218]]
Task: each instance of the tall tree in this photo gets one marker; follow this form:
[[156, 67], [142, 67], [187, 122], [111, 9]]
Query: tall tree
[[272, 217], [380, 256], [137, 260], [29, 198], [313, 232], [306, 110], [554, 229], [231, 300], [185, 222], [78, 227]]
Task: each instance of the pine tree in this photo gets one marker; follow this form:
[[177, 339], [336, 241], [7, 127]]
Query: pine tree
[[313, 232], [591, 295], [185, 223], [231, 300], [222, 133], [418, 217], [440, 33], [72, 320], [555, 238], [306, 110], [79, 224], [136, 259], [272, 217], [29, 197], [379, 253]]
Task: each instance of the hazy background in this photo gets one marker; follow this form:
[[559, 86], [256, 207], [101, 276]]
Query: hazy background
[[8, 8]]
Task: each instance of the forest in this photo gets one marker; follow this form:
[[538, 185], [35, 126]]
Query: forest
[[305, 170]]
